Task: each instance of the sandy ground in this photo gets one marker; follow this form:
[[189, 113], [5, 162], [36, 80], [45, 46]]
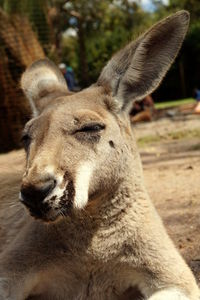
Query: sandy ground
[[172, 176]]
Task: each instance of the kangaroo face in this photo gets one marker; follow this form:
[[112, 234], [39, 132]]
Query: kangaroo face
[[79, 145], [74, 149]]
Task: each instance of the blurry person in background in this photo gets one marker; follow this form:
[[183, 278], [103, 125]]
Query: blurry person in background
[[142, 110], [197, 97], [70, 78], [68, 73]]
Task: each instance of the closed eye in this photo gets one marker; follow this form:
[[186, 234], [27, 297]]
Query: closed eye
[[91, 128]]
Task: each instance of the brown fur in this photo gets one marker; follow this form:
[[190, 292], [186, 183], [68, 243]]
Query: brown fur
[[101, 235]]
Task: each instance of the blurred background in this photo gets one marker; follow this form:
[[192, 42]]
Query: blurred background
[[80, 36]]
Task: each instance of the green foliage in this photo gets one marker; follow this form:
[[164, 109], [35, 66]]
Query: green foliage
[[184, 75], [69, 47], [36, 11], [102, 28], [170, 104], [193, 6], [11, 6]]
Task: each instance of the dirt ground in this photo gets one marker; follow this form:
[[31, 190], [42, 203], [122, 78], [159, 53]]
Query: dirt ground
[[170, 152]]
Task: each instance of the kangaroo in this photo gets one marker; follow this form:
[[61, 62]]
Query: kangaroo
[[84, 227]]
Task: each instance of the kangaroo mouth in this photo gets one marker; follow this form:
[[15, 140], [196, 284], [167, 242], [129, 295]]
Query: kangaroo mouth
[[42, 213], [58, 204], [50, 213], [50, 200]]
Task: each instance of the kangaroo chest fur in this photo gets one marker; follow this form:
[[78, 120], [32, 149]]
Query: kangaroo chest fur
[[84, 262]]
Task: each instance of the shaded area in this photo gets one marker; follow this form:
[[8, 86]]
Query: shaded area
[[19, 47]]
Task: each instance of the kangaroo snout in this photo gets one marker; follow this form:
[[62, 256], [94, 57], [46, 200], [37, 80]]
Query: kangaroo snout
[[47, 195], [32, 195]]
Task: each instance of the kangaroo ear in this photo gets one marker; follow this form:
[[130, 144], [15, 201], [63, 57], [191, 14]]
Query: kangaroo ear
[[42, 82], [138, 69]]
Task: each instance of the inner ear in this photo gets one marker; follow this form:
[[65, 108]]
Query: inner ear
[[42, 82]]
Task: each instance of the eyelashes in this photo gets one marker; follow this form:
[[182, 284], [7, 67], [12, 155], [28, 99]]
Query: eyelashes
[[91, 128], [90, 133]]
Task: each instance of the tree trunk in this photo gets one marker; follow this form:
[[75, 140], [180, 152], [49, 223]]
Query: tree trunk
[[82, 54], [19, 47]]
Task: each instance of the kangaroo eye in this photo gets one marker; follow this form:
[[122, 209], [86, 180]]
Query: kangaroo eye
[[91, 128], [26, 140]]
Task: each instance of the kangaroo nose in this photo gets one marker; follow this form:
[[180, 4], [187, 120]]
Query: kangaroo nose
[[32, 196]]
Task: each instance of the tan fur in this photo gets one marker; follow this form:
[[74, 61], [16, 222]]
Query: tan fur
[[101, 234]]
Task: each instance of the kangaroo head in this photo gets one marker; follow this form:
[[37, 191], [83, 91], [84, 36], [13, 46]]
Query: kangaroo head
[[80, 145]]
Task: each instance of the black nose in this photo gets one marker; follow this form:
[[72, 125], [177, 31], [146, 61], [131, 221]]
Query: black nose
[[33, 196]]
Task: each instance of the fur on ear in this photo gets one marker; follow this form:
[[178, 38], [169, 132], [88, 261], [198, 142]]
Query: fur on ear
[[41, 82], [138, 69]]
